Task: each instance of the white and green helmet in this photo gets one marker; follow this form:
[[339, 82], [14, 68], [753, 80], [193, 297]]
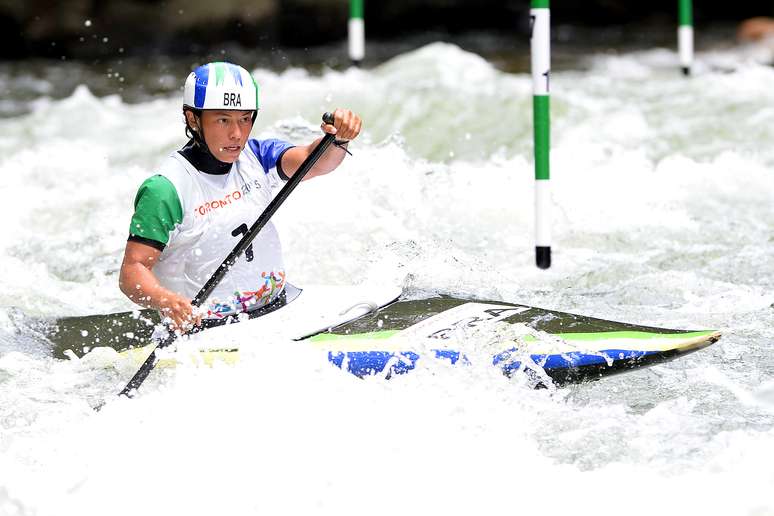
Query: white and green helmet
[[221, 86]]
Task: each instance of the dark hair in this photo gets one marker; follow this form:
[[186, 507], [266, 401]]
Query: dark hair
[[189, 131]]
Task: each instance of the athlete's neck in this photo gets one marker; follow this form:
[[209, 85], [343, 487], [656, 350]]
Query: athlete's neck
[[200, 157]]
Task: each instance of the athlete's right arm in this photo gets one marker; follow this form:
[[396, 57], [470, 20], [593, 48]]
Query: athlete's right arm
[[140, 285]]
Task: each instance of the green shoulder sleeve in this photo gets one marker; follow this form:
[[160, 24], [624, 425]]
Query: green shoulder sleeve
[[157, 210]]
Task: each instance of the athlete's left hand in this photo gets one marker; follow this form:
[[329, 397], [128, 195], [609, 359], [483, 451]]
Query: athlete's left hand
[[346, 125]]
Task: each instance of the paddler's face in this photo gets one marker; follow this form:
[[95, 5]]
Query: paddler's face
[[226, 132]]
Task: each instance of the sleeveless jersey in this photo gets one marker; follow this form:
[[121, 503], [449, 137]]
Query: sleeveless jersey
[[213, 214]]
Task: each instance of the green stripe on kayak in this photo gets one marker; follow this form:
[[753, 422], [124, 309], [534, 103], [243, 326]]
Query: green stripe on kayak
[[373, 335], [586, 337], [640, 335]]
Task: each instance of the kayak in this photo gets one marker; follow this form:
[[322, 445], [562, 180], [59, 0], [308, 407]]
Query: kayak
[[382, 331], [553, 346]]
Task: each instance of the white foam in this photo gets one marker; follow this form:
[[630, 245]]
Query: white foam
[[662, 193]]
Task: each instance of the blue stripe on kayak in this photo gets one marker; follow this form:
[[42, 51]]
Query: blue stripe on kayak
[[453, 356], [571, 359], [200, 92], [363, 363]]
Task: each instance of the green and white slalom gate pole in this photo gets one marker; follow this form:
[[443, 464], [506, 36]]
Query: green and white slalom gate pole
[[685, 35], [356, 31], [541, 74]]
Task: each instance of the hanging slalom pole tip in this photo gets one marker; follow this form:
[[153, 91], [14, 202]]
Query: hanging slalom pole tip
[[540, 46], [356, 32], [685, 35], [543, 257], [328, 118]]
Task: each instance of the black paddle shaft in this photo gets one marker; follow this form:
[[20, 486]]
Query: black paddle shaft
[[206, 290]]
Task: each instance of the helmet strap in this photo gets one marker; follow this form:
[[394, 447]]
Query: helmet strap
[[197, 135]]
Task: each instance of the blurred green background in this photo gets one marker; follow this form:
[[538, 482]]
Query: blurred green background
[[91, 29]]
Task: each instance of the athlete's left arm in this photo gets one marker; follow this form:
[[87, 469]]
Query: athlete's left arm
[[346, 126]]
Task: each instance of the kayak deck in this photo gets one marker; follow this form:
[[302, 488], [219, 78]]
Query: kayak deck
[[565, 348], [550, 346]]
